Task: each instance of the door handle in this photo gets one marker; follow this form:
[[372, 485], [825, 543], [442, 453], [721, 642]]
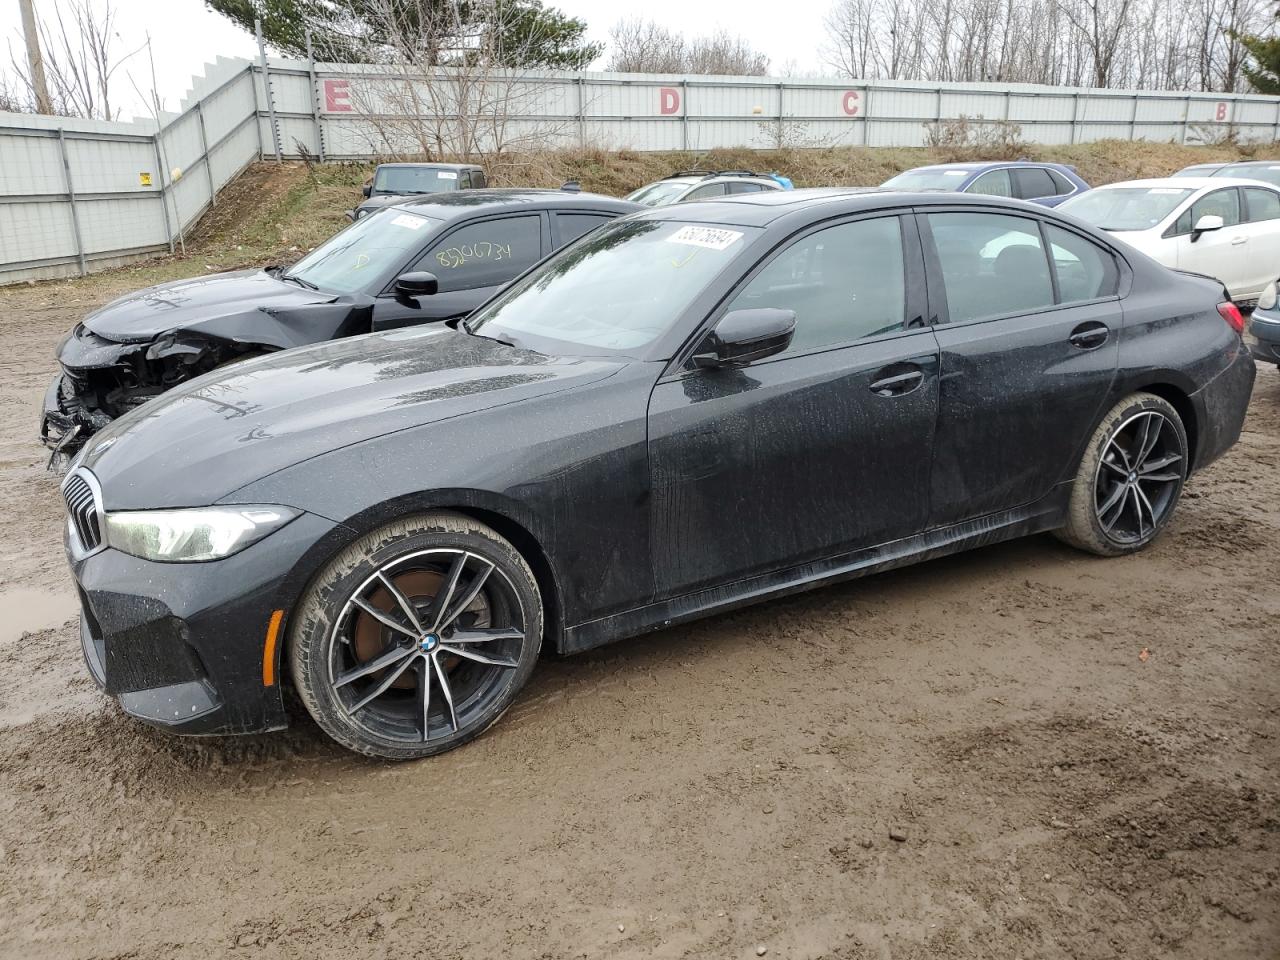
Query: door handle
[[897, 379], [1089, 336], [1236, 241]]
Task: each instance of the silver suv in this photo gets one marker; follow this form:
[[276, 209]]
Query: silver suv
[[702, 185]]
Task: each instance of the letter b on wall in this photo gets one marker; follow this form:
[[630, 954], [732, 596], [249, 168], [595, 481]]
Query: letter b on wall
[[668, 100]]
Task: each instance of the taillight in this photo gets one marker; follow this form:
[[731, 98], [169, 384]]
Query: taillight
[[1231, 313]]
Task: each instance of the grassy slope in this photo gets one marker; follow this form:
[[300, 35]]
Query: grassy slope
[[275, 212]]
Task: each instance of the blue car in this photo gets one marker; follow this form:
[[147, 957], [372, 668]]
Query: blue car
[[1045, 183], [1263, 334]]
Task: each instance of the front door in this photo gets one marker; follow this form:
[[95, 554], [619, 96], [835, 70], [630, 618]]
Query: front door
[[472, 262], [1221, 254], [1028, 352], [815, 451]]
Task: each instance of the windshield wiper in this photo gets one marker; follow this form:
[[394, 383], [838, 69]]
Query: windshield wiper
[[299, 281]]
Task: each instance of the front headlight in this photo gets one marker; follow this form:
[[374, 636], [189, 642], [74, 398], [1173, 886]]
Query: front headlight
[[1267, 300], [199, 533]]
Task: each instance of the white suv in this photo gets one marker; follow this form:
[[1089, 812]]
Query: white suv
[[703, 185]]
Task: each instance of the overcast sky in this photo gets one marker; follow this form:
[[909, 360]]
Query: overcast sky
[[185, 34]]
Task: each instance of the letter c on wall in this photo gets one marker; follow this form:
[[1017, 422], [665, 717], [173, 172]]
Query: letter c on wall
[[849, 103], [668, 100]]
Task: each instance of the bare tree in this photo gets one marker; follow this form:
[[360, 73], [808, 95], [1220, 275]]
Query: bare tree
[[80, 59], [458, 100], [1151, 44], [642, 46]]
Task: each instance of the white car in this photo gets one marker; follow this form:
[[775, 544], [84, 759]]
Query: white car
[[1224, 228], [702, 185]]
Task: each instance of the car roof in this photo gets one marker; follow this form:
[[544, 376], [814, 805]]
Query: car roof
[[435, 166], [460, 203], [815, 203], [975, 165], [1189, 183]]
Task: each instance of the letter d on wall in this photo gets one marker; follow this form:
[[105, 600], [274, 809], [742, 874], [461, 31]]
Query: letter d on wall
[[668, 100]]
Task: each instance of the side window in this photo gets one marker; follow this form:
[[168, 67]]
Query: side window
[[1221, 203], [477, 179], [1034, 183], [844, 283], [1061, 184], [994, 183], [745, 188], [1085, 271], [1262, 204], [464, 180], [992, 264], [574, 225], [710, 190], [484, 254]]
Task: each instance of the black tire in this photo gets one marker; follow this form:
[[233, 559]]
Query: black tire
[[1118, 506], [353, 614]]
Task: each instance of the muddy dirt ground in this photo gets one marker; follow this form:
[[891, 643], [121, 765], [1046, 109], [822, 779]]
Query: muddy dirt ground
[[702, 792]]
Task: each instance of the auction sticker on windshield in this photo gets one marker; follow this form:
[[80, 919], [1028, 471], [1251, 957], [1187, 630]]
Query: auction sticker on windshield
[[709, 237], [409, 220]]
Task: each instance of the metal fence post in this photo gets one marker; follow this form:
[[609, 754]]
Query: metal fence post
[[266, 88], [684, 114], [866, 117], [315, 99], [204, 150], [164, 207], [582, 119], [71, 197], [1133, 118], [1075, 116], [1186, 119]]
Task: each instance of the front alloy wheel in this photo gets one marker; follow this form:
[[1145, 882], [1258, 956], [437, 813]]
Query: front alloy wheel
[[415, 639]]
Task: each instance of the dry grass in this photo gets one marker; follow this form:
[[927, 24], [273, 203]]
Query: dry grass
[[275, 212]]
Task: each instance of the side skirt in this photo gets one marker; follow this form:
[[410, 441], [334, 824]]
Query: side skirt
[[1047, 513]]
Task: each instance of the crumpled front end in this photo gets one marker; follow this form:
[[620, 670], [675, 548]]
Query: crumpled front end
[[102, 379]]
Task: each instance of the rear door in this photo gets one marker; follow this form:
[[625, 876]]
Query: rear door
[[813, 452], [472, 261], [1028, 350], [1033, 183], [1262, 227], [568, 225]]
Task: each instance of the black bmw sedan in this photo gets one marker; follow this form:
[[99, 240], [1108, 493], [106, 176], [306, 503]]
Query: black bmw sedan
[[418, 261], [690, 409]]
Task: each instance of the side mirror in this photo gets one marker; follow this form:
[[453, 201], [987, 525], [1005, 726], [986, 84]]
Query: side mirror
[[744, 336], [1210, 221], [367, 189], [571, 186], [419, 283]]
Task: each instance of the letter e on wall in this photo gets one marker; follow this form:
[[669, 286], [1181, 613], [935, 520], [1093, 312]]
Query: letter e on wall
[[337, 96]]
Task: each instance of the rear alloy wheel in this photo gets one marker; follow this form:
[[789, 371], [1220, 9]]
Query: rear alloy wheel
[[1130, 478], [417, 637]]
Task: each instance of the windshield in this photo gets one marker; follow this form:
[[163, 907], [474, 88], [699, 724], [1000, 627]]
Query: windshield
[[1126, 208], [659, 194], [928, 179], [615, 291], [1266, 172], [406, 180], [360, 256]]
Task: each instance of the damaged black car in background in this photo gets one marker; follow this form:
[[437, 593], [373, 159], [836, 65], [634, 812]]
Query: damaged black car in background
[[420, 261]]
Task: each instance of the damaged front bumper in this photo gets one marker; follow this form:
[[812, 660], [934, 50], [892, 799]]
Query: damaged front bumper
[[102, 379]]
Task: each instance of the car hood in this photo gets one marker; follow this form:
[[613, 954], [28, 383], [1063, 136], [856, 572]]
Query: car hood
[[211, 436], [190, 304]]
